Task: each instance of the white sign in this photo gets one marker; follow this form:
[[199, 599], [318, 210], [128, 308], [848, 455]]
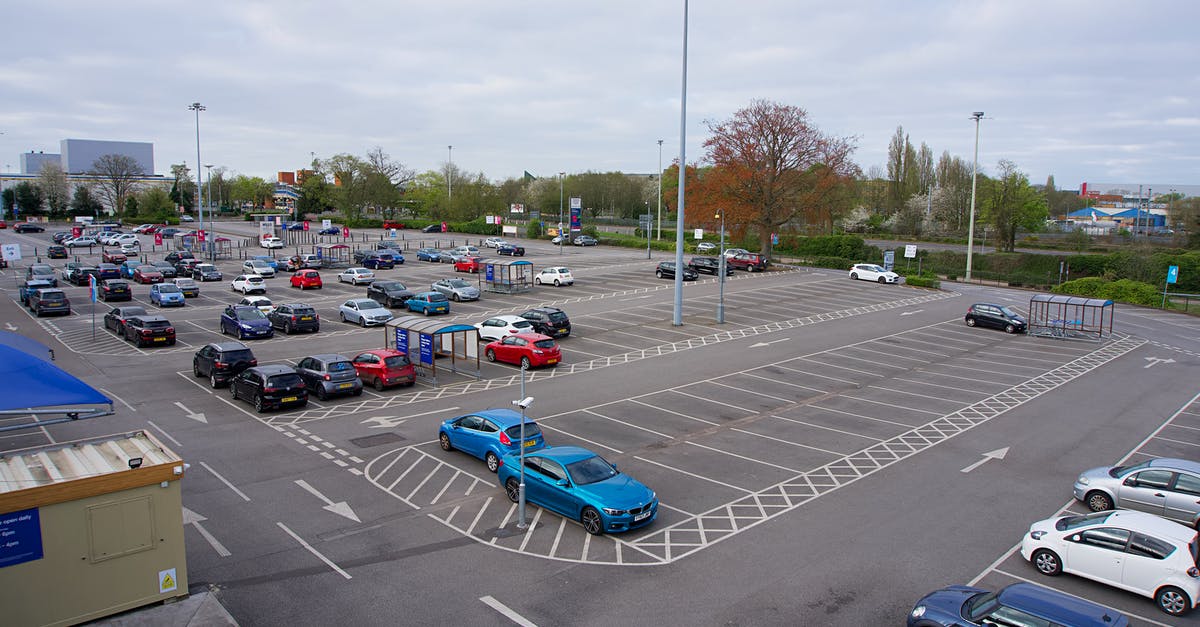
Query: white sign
[[577, 203], [489, 219], [910, 251], [266, 227], [10, 252], [698, 234], [167, 581], [516, 207], [326, 223]]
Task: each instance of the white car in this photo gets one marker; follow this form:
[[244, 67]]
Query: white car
[[494, 242], [730, 253], [494, 329], [364, 312], [356, 276], [270, 242], [248, 283], [706, 247], [132, 248], [1134, 551], [118, 239], [871, 272], [186, 218], [554, 276], [83, 240], [259, 267], [262, 302], [466, 250]]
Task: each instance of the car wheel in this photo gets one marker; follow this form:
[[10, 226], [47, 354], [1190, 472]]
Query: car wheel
[[854, 275], [455, 298], [378, 384], [1098, 501], [1008, 328], [362, 322], [288, 329], [512, 488], [1173, 601], [425, 311], [658, 273], [592, 523], [343, 316], [1047, 562], [493, 462], [538, 281], [258, 405], [556, 283], [240, 335], [882, 280], [213, 382], [525, 363], [196, 370], [970, 322], [321, 393], [233, 391], [490, 354]]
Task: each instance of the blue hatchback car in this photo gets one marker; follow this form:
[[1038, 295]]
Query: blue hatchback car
[[428, 303], [246, 321], [1018, 604], [167, 295], [580, 485], [490, 435]]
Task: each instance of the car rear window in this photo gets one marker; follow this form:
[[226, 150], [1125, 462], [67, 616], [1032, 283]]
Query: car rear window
[[400, 361], [157, 324], [283, 380], [340, 366], [236, 356], [531, 429], [544, 343], [437, 298], [558, 316], [53, 294], [303, 311]]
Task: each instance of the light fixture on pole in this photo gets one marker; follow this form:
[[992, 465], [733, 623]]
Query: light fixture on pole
[[560, 199], [977, 116], [721, 272], [658, 235], [449, 174], [677, 309], [524, 404], [197, 107]]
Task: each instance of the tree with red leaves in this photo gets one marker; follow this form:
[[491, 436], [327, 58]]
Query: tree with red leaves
[[770, 167]]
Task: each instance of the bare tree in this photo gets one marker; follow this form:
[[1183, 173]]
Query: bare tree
[[118, 176], [55, 189]]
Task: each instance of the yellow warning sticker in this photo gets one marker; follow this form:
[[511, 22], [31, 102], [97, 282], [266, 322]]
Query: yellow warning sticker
[[166, 580]]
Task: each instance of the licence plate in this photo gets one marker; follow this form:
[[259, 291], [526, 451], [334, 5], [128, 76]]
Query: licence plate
[[562, 330], [530, 443], [642, 516], [288, 399], [160, 339], [552, 361], [342, 386], [306, 318]]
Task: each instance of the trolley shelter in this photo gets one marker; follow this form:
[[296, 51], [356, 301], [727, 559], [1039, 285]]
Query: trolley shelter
[[333, 255], [1066, 316], [221, 248], [508, 276], [425, 340]]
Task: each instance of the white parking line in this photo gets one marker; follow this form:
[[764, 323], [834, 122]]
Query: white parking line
[[225, 481], [816, 426], [854, 415], [790, 443], [629, 424], [306, 545], [701, 398], [692, 474], [749, 459], [577, 437], [675, 413]]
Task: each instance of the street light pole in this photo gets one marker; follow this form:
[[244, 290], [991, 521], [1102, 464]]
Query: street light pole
[[450, 174], [721, 273], [197, 107], [560, 208], [978, 115], [524, 404], [677, 314], [660, 173]]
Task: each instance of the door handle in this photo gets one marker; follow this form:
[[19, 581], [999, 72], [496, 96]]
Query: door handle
[[1160, 494]]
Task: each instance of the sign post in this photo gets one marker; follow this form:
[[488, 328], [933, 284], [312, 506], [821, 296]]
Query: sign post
[[1172, 278], [645, 222]]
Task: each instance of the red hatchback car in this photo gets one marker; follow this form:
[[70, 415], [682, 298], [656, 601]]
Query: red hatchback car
[[305, 279], [525, 349], [467, 264], [384, 367], [146, 273]]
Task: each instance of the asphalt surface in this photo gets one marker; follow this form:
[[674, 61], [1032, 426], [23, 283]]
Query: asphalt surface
[[810, 453]]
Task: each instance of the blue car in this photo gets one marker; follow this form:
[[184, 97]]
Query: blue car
[[490, 435], [428, 303], [429, 254], [246, 321], [128, 267], [1018, 604], [167, 295], [580, 485], [269, 260], [296, 226]]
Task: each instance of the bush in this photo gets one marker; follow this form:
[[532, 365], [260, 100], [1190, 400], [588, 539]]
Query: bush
[[916, 280], [1122, 291]]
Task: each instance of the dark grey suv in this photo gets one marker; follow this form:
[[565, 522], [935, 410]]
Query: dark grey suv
[[550, 321], [329, 375], [292, 317], [222, 361]]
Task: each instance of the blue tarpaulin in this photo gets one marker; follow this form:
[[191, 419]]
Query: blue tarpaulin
[[33, 385]]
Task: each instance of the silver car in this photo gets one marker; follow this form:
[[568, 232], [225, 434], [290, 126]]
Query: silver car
[[364, 312], [1166, 487], [456, 289]]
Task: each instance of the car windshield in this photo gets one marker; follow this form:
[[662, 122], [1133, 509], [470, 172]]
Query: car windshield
[[980, 605], [1009, 312], [366, 304], [250, 313], [591, 470], [544, 343], [1118, 471], [1068, 523], [458, 283], [400, 361], [168, 288]]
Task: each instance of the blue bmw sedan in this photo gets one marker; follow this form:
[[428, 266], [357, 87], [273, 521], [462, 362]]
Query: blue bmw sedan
[[580, 485], [489, 435]]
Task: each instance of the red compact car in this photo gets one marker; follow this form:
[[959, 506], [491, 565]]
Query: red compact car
[[467, 264], [146, 273], [305, 279], [384, 368], [113, 256], [525, 349]]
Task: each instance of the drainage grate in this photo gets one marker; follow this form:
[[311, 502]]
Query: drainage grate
[[377, 440]]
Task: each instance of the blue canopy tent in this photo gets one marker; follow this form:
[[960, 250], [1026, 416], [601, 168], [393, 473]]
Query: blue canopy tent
[[37, 387]]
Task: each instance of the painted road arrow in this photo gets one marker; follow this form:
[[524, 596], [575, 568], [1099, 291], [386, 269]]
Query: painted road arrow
[[762, 344], [190, 414], [1154, 361], [909, 313], [990, 455], [10, 326], [341, 508], [194, 519]]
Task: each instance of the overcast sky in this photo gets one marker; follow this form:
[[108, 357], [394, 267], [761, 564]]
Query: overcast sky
[[1087, 91]]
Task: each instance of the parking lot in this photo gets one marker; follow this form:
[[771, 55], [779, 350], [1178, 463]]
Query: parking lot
[[815, 394]]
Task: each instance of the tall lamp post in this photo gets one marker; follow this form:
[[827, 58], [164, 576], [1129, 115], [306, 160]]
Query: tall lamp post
[[978, 115], [450, 174], [721, 272], [524, 404], [677, 313], [197, 107], [560, 207], [659, 234]]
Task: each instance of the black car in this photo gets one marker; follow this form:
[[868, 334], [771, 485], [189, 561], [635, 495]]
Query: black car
[[59, 236], [49, 300], [511, 250], [389, 293], [81, 276], [115, 319], [292, 317], [585, 240], [666, 270], [57, 251], [375, 259], [269, 387], [175, 256], [550, 321], [149, 330], [167, 268], [169, 233], [709, 265], [205, 272], [27, 227], [995, 316], [112, 290], [222, 361], [184, 267], [432, 228]]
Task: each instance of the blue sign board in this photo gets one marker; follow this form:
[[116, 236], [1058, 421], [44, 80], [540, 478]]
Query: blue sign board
[[576, 214], [20, 537], [402, 340], [426, 349], [1172, 274], [490, 273]]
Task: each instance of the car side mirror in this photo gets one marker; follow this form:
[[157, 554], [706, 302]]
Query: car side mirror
[[1130, 481], [562, 483], [614, 466]]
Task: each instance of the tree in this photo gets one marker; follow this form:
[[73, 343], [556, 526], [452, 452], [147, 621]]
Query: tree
[[183, 187], [84, 202], [1010, 203], [30, 200], [251, 190], [954, 182], [772, 166], [53, 182], [118, 176]]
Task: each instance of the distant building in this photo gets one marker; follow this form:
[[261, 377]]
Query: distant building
[[79, 155], [32, 162]]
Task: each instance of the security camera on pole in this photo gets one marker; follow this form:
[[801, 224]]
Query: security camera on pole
[[524, 404]]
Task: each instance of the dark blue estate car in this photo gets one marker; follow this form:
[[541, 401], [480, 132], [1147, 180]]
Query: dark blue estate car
[[245, 321], [490, 435], [1018, 604], [580, 485]]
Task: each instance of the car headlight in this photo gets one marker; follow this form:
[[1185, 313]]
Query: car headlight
[[1082, 480], [1037, 535], [918, 611], [613, 512]]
